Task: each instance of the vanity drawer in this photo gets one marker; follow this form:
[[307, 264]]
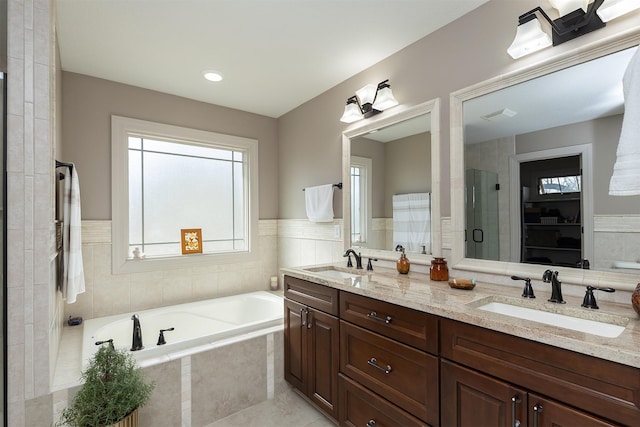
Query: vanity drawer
[[406, 325], [607, 389], [314, 295], [404, 375], [359, 407]]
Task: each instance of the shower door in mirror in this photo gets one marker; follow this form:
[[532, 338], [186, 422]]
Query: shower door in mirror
[[481, 234]]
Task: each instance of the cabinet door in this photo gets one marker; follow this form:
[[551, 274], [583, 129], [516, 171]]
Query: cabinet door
[[324, 362], [295, 359], [471, 399], [547, 413]]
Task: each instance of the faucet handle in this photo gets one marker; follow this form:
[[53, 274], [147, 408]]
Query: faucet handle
[[590, 300], [369, 265], [110, 341], [161, 340], [528, 289]]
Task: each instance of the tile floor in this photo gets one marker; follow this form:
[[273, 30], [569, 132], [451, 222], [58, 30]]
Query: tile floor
[[287, 409]]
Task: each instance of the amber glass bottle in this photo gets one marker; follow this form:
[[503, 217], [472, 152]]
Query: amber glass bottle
[[439, 270], [403, 265]]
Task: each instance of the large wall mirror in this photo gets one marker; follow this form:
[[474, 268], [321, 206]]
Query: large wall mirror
[[392, 192], [531, 155]]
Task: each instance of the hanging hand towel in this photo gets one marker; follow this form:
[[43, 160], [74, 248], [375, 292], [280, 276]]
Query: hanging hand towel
[[73, 270], [625, 180], [319, 202]]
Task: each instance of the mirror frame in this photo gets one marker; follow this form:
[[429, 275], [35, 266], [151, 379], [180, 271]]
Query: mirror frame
[[397, 115], [620, 281]]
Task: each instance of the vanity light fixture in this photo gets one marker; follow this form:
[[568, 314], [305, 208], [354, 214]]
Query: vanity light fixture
[[578, 17], [368, 101]]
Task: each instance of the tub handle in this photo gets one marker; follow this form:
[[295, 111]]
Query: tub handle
[[161, 340]]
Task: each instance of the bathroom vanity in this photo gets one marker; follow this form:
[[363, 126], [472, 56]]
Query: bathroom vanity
[[391, 349]]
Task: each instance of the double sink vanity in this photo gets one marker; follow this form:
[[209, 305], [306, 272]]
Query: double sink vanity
[[384, 349]]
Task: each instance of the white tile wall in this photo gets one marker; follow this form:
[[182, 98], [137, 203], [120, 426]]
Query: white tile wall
[[107, 294]]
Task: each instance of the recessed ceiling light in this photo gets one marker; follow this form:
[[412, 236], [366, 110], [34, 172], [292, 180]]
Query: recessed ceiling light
[[212, 76]]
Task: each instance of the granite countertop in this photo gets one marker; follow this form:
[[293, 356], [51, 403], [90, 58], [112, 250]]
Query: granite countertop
[[415, 290]]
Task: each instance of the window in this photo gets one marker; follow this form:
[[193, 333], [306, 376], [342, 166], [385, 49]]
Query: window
[[167, 178], [559, 185], [360, 199]]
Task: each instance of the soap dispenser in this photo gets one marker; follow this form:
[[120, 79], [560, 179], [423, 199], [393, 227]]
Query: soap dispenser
[[403, 265]]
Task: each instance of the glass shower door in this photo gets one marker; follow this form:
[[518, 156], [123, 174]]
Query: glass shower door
[[482, 232]]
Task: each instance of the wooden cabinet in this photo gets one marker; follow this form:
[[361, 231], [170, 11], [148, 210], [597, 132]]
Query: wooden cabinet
[[387, 358], [359, 407], [367, 362], [470, 398], [568, 388], [312, 342]]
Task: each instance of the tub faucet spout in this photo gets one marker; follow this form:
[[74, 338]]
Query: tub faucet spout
[[556, 286], [357, 256], [136, 341]]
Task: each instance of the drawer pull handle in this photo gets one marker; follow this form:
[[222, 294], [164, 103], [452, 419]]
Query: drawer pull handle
[[373, 315], [537, 410], [371, 423], [373, 362], [303, 317], [515, 400]]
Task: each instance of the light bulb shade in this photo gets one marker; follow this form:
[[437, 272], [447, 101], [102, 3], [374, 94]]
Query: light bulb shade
[[565, 7], [384, 99], [351, 113], [367, 94], [612, 9], [529, 38]]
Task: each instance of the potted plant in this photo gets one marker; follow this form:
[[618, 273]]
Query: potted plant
[[112, 391]]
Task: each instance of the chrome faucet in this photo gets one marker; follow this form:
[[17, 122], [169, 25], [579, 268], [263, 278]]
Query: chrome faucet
[[136, 341], [556, 286], [357, 256]]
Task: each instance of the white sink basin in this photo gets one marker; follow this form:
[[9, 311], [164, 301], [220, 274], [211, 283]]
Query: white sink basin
[[332, 272], [594, 327], [336, 274]]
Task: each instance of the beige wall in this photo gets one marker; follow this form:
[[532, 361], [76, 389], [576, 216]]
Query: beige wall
[[407, 168], [88, 104], [467, 51]]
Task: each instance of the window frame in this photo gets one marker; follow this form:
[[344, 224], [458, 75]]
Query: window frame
[[121, 129], [365, 165]]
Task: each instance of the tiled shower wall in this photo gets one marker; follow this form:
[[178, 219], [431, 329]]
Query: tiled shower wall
[[30, 129]]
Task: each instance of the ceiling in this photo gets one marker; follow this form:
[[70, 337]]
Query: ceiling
[[584, 92], [274, 54]]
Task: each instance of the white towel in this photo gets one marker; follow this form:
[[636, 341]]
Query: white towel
[[73, 270], [319, 202], [412, 221], [625, 180]]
